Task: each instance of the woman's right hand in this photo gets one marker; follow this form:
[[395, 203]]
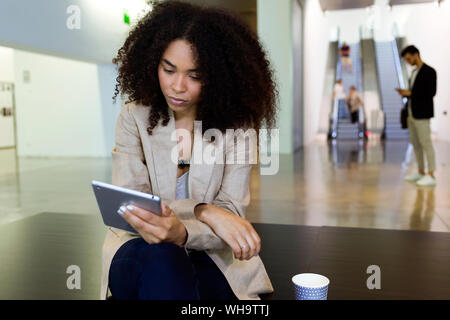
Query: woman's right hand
[[237, 232]]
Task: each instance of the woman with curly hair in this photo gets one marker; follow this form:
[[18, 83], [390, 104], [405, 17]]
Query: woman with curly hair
[[184, 64]]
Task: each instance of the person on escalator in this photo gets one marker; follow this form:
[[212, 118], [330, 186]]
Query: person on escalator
[[420, 108], [339, 94], [354, 102], [345, 57]]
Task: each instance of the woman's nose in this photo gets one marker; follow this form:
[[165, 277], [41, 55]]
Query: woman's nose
[[179, 84]]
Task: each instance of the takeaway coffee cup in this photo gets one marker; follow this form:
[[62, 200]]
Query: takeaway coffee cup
[[310, 286]]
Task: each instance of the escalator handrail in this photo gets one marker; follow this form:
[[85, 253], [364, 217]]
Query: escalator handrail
[[398, 66], [362, 125], [379, 86], [334, 118]]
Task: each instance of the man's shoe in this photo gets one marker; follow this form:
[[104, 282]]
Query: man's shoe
[[426, 181], [414, 177]]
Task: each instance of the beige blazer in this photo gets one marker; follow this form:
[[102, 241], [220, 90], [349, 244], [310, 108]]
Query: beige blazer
[[143, 162], [355, 101]]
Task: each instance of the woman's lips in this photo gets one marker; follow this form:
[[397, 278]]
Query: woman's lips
[[177, 101]]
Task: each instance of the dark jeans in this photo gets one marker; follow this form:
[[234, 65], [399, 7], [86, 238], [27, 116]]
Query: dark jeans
[[142, 271], [355, 116]]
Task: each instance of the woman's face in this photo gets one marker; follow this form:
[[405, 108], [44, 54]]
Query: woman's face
[[178, 78]]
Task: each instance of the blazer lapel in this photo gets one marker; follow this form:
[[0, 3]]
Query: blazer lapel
[[200, 172], [165, 170]]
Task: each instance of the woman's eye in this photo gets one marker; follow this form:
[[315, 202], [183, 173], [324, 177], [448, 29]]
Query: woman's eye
[[194, 77]]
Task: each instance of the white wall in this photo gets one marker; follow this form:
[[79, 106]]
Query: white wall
[[349, 22], [7, 138], [66, 110], [428, 28], [297, 38], [60, 112], [316, 35], [6, 75], [41, 26], [6, 64], [275, 32]]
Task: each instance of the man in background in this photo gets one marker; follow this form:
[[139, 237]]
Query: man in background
[[420, 108]]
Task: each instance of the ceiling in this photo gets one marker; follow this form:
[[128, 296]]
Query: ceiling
[[396, 2], [356, 4], [240, 6], [345, 4], [246, 9]]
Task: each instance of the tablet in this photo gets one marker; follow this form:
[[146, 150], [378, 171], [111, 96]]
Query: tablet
[[110, 198]]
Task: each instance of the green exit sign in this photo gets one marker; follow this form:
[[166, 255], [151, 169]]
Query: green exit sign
[[126, 18]]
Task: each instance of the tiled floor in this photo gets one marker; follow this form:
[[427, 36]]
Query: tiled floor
[[353, 184], [350, 184]]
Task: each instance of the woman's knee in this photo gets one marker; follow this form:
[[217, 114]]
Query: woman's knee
[[158, 251], [166, 264], [163, 247]]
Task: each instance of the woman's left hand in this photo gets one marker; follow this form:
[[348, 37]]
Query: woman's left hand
[[236, 231], [154, 228]]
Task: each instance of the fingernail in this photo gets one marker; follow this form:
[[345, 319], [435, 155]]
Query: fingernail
[[130, 208], [123, 208], [120, 212]]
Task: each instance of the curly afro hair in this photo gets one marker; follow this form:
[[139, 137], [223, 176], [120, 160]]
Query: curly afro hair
[[238, 86]]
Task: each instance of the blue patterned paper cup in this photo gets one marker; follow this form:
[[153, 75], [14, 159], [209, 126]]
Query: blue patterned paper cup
[[310, 286]]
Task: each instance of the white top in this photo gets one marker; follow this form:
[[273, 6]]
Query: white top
[[182, 191], [413, 77], [339, 91]]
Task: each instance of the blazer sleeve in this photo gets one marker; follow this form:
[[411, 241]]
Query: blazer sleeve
[[234, 192], [427, 87], [129, 170], [431, 83], [233, 196]]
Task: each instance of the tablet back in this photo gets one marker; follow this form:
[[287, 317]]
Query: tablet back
[[110, 198]]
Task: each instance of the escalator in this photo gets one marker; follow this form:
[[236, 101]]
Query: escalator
[[375, 119], [340, 126], [377, 71], [390, 77], [346, 129], [326, 107]]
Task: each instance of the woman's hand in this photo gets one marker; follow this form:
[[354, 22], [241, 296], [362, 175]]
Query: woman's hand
[[237, 232], [154, 228]]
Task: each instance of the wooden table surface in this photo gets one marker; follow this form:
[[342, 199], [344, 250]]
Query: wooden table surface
[[36, 252], [413, 264]]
